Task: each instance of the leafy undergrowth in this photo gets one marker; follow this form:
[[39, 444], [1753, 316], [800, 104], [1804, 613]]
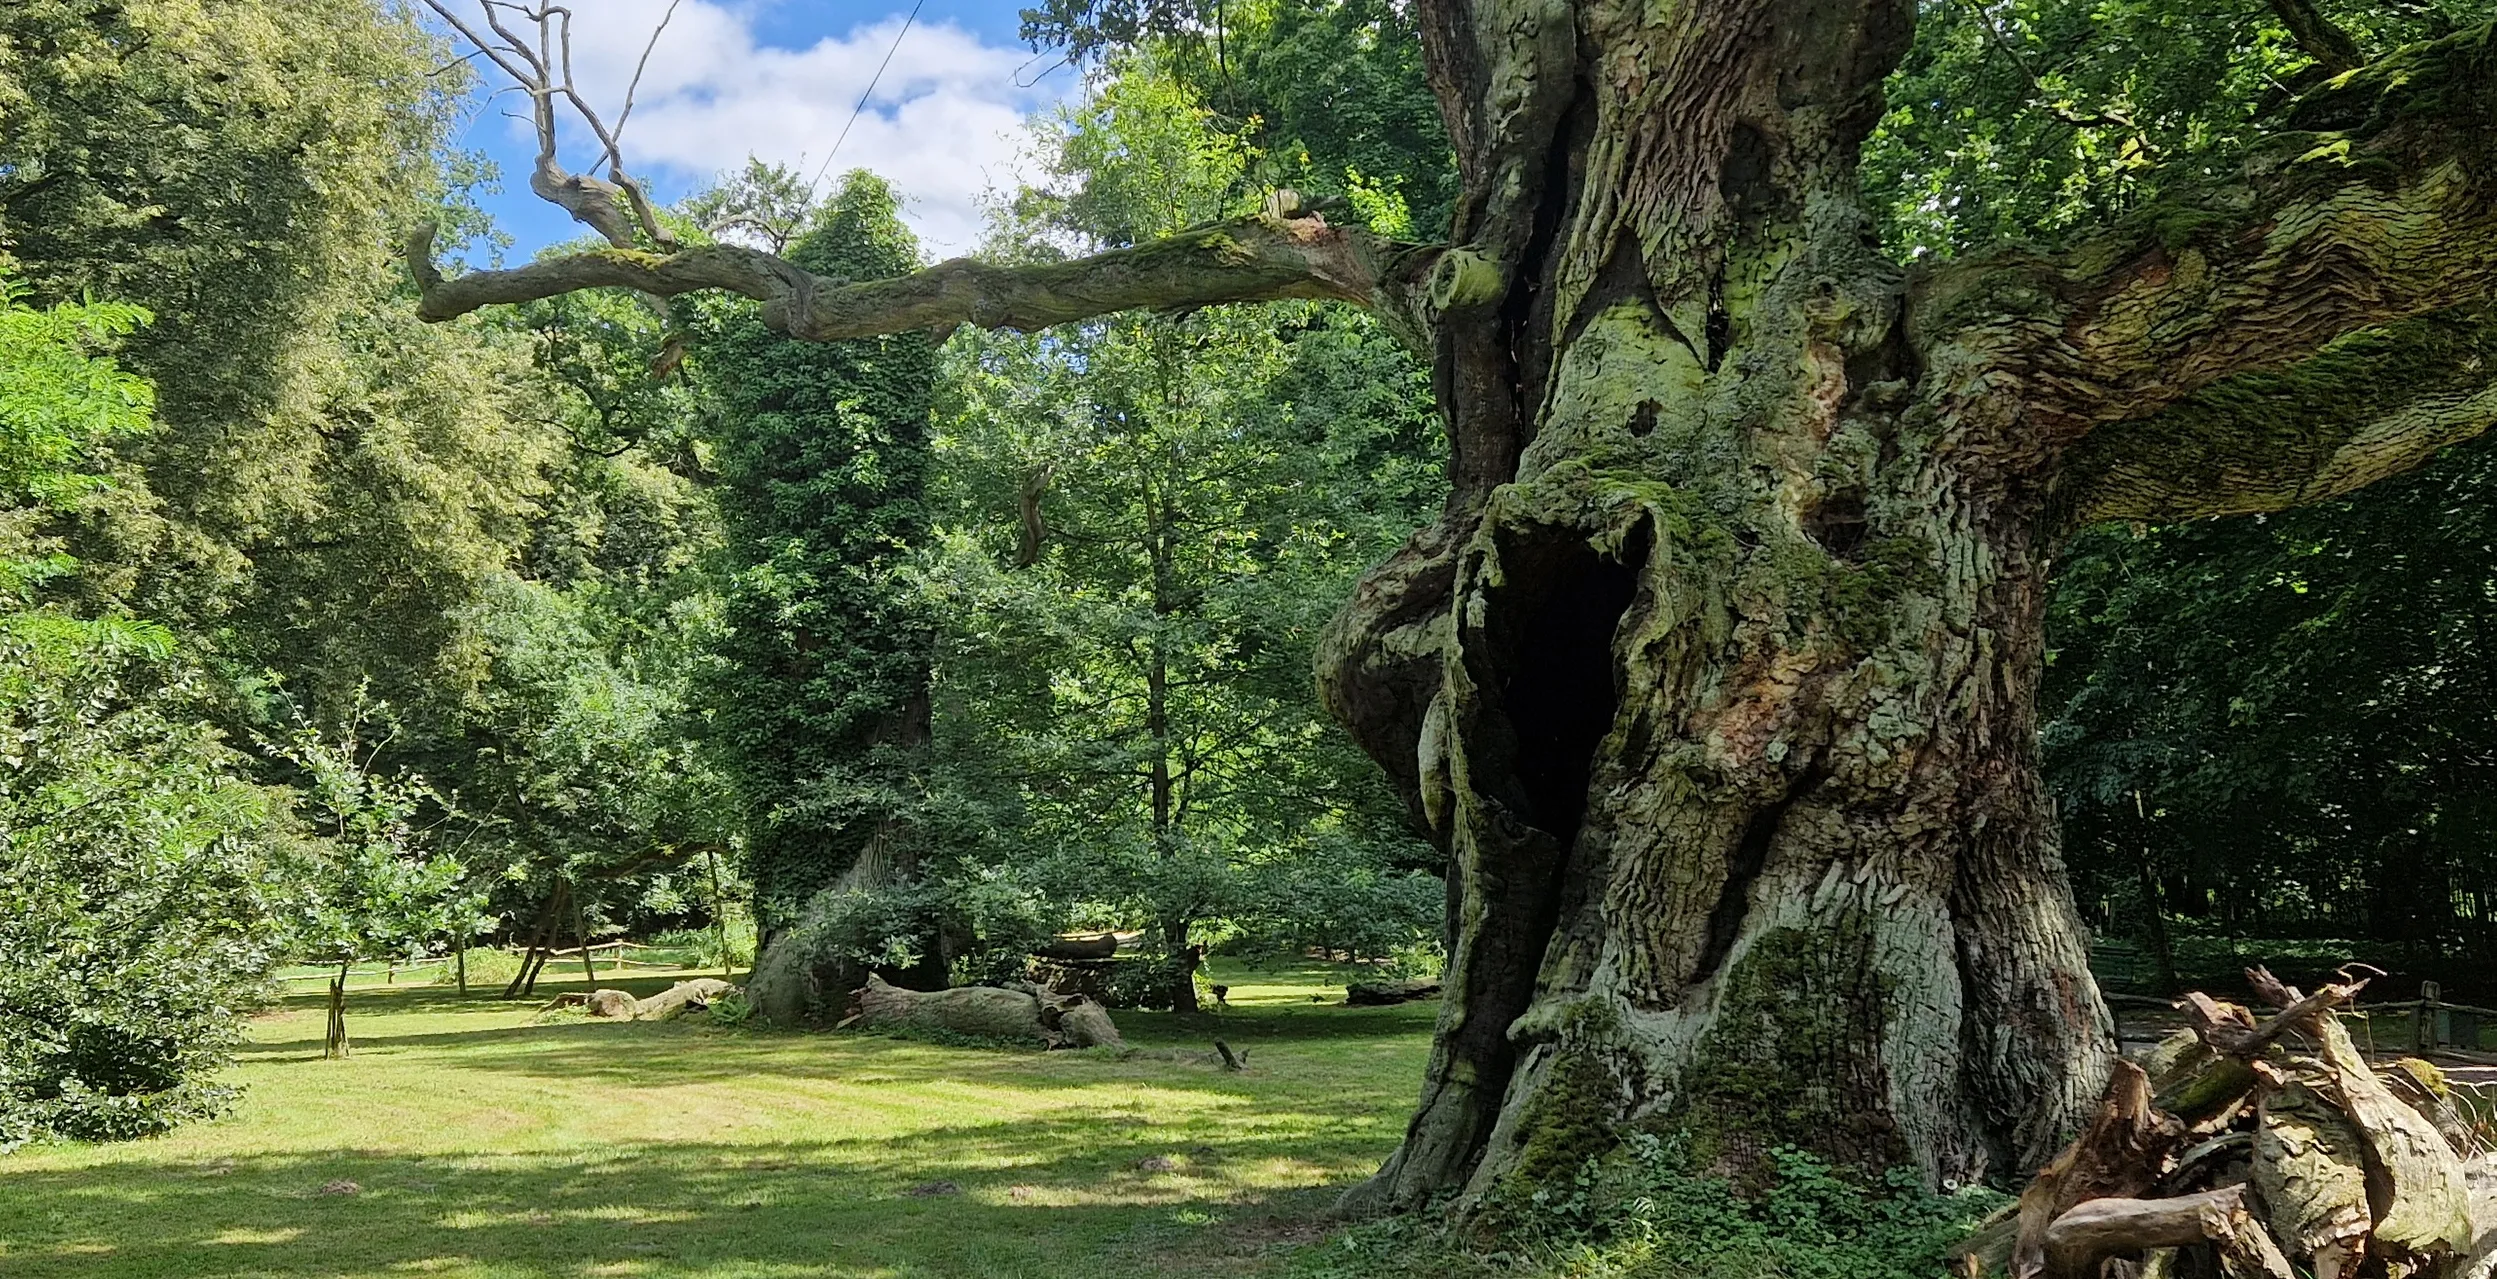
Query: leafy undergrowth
[[465, 1140], [1644, 1213]]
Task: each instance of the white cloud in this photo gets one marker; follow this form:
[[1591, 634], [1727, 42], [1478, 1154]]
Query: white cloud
[[945, 123]]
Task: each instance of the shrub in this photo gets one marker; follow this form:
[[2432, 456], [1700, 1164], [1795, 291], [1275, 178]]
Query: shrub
[[701, 947], [487, 966], [1644, 1212], [140, 908], [731, 1009]]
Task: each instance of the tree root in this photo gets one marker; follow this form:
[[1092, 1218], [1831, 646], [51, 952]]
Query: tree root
[[2240, 1147]]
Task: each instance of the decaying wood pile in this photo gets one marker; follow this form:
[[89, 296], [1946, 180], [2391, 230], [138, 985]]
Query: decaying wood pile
[[991, 1012], [2265, 1147]]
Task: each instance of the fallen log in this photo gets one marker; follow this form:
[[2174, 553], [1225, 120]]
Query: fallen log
[[989, 1012], [1372, 994], [682, 998], [614, 1004], [1102, 947], [2092, 1232], [620, 1005]]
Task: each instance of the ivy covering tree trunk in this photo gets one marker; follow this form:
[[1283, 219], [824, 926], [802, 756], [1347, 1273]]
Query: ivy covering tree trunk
[[822, 692], [1717, 676]]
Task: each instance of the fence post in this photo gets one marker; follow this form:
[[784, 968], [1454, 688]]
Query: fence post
[[2423, 1034]]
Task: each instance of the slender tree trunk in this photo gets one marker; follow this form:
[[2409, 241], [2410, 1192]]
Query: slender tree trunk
[[334, 1044], [459, 959], [1717, 677], [2155, 920], [1163, 784], [541, 939]]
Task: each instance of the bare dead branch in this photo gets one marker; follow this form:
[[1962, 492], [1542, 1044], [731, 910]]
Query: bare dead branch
[[616, 206], [2117, 1156], [2226, 1029], [615, 143]]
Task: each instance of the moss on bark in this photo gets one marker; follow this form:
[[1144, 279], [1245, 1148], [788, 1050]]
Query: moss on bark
[[1794, 1056]]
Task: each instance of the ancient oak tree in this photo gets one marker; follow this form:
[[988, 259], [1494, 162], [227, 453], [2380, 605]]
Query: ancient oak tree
[[1716, 675]]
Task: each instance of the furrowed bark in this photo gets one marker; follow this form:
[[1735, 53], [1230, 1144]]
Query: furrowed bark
[[2381, 207], [2372, 405]]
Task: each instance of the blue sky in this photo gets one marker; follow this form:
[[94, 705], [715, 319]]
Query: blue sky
[[778, 78]]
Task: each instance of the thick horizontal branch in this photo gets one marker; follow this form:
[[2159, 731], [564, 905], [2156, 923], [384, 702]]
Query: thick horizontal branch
[[2371, 406], [1281, 253], [2380, 209]]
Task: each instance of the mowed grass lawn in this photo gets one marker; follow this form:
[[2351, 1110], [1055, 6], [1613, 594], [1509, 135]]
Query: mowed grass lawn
[[481, 1140]]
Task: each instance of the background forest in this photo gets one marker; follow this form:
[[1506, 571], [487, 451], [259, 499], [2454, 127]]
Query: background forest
[[330, 635]]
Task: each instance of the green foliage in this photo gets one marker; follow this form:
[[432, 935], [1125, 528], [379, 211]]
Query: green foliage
[[1648, 1211], [2278, 724], [2035, 118], [731, 1009], [62, 400], [1324, 96], [375, 888], [1146, 521], [143, 890]]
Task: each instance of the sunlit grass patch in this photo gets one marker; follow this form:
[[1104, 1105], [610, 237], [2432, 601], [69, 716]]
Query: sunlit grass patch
[[464, 1139]]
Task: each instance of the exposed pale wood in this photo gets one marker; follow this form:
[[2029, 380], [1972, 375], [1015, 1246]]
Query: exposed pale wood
[[2118, 1156], [991, 1012], [2092, 1232]]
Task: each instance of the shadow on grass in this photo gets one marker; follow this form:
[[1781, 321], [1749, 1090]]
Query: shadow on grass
[[1032, 1198]]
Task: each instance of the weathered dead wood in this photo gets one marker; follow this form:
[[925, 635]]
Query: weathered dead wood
[[2194, 1082], [616, 1004], [2415, 1177], [1101, 947], [2080, 1239], [2118, 1156], [2230, 1029], [990, 1012], [2310, 1172], [2299, 1151], [1371, 994], [681, 998]]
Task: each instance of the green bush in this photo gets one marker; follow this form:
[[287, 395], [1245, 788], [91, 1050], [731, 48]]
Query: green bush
[[731, 1009], [701, 947], [143, 904], [487, 966]]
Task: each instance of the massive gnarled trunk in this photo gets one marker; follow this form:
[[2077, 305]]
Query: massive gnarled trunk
[[1717, 675], [1734, 665]]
